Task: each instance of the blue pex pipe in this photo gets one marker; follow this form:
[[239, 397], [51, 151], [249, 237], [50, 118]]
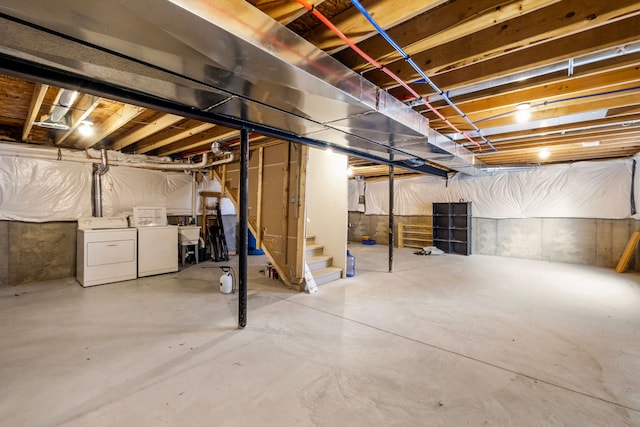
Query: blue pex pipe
[[411, 62]]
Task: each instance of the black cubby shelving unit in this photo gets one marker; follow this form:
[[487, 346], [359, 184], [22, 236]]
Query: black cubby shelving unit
[[452, 227]]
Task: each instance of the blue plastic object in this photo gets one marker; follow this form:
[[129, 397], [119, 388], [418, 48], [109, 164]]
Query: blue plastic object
[[252, 246], [351, 264]]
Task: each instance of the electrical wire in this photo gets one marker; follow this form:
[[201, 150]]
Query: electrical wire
[[415, 66]]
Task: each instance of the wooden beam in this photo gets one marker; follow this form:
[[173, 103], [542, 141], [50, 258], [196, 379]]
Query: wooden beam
[[283, 11], [39, 91], [568, 88], [303, 160], [259, 200], [125, 114], [83, 109], [198, 141], [547, 26], [506, 116], [628, 252], [629, 135], [603, 37], [356, 27], [163, 122], [438, 26], [142, 147], [285, 200]]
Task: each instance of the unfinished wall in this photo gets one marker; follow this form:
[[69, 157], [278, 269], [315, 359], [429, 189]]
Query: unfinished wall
[[275, 197], [597, 242], [40, 251]]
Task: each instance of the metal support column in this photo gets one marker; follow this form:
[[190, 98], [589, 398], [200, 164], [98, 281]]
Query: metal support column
[[243, 242], [391, 208]]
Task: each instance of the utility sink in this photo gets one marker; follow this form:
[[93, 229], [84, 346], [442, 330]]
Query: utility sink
[[188, 234]]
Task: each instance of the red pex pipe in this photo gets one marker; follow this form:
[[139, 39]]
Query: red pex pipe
[[382, 68]]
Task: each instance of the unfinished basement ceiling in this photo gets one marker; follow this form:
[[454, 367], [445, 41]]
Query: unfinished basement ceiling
[[575, 63]]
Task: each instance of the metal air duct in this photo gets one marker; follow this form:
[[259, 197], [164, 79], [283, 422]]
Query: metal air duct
[[224, 60]]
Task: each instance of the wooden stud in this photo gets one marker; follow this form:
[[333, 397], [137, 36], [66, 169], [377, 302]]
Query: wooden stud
[[259, 198], [628, 252], [285, 201]]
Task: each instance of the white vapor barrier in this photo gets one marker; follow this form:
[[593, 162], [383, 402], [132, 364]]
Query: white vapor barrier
[[36, 190], [636, 187], [41, 190], [125, 187], [352, 202], [577, 190]]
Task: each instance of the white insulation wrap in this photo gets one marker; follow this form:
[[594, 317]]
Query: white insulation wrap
[[125, 187], [578, 190], [36, 190], [636, 186], [353, 195], [41, 190]]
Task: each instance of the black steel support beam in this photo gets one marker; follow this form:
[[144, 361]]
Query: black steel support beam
[[243, 227], [391, 211], [48, 75]]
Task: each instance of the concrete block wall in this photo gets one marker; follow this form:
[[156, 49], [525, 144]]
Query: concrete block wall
[[4, 253], [589, 241], [32, 252], [598, 242], [377, 226]]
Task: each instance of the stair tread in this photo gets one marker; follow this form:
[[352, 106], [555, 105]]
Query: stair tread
[[325, 271], [311, 259]]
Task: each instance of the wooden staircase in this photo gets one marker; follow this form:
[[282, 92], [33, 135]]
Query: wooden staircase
[[321, 265]]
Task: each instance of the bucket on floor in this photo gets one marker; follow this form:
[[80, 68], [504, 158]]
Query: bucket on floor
[[351, 264]]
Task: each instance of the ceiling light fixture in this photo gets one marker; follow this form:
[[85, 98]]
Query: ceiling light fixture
[[544, 153], [523, 112], [591, 144], [86, 128]]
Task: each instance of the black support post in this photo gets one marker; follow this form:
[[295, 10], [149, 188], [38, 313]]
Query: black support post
[[243, 243], [391, 213]]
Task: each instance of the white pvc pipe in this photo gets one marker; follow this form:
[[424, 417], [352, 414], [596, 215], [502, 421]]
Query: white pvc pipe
[[50, 153]]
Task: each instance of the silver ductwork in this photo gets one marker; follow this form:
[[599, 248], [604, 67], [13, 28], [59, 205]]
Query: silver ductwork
[[226, 59], [57, 117], [99, 169]]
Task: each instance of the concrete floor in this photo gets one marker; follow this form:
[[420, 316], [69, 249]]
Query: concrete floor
[[445, 341]]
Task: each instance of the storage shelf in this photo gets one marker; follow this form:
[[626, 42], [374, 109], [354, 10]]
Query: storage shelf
[[452, 227]]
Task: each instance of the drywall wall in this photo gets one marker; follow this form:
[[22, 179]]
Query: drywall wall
[[588, 241], [327, 203]]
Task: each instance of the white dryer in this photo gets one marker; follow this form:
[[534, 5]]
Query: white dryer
[[107, 251], [157, 241]]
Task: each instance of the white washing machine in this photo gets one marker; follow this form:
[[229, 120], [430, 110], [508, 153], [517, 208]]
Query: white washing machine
[[157, 241], [107, 251]]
